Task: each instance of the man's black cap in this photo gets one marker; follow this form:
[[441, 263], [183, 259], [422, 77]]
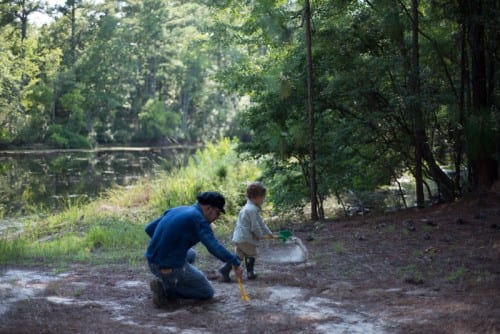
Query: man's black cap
[[212, 198]]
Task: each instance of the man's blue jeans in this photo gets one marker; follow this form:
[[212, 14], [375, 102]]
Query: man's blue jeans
[[185, 282]]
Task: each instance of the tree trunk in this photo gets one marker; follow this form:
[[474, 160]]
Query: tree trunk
[[312, 149], [185, 109], [73, 33], [458, 142], [446, 185], [419, 126], [482, 162], [150, 84]]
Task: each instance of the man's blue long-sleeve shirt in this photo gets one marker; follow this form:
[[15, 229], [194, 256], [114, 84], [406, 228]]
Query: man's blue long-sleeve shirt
[[177, 231]]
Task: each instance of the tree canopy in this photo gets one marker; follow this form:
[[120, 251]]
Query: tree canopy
[[398, 85]]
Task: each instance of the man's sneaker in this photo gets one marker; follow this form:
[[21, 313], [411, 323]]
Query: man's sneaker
[[159, 298]]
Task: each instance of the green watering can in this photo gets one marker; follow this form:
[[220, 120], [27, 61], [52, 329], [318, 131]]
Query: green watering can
[[285, 235]]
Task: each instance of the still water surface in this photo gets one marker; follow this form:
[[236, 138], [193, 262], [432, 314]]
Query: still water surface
[[31, 180]]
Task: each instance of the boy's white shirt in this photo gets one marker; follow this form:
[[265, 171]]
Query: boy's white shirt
[[250, 223]]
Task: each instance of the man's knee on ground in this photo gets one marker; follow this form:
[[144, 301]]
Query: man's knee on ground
[[208, 294]]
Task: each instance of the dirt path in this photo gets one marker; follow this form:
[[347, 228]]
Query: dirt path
[[431, 271]]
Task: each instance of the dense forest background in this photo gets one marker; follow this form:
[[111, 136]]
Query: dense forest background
[[389, 86]]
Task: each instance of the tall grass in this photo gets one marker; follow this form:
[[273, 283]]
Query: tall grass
[[111, 228], [216, 168]]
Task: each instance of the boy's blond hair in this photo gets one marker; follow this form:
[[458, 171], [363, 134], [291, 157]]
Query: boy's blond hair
[[255, 189]]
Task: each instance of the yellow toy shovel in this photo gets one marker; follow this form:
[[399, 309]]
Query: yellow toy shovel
[[242, 290]]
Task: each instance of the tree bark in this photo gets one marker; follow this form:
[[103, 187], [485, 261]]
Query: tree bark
[[458, 142], [446, 185], [73, 32], [482, 162], [312, 148], [419, 127]]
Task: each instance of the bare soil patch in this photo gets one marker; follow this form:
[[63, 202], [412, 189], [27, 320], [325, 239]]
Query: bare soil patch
[[435, 270]]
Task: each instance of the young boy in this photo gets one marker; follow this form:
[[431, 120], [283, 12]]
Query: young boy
[[250, 228]]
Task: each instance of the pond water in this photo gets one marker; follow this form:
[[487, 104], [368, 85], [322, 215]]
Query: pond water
[[32, 180]]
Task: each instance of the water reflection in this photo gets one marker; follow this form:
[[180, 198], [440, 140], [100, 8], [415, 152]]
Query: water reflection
[[49, 179]]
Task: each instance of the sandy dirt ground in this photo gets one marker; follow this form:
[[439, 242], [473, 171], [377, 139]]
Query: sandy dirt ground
[[435, 270]]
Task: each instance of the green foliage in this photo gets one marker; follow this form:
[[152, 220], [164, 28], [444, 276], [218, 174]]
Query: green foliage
[[97, 71], [159, 71], [112, 227], [72, 102], [12, 250], [412, 272], [217, 168], [348, 146], [37, 252], [285, 181], [457, 274], [63, 137], [365, 124], [482, 131], [11, 119], [115, 236], [391, 228], [338, 248], [157, 122]]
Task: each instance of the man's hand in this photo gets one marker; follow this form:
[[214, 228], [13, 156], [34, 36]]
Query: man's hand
[[238, 271]]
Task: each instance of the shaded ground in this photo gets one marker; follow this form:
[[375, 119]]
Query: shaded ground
[[430, 271]]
